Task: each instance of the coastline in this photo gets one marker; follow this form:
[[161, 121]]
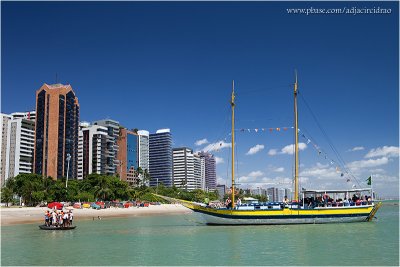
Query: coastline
[[28, 215]]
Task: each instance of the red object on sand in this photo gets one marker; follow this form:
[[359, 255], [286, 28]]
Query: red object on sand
[[57, 205]]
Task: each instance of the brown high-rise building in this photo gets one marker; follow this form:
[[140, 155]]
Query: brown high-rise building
[[56, 135]]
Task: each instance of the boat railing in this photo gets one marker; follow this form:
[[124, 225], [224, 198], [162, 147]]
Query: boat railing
[[299, 205]]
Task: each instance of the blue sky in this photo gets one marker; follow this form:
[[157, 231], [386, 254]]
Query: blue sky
[[153, 65]]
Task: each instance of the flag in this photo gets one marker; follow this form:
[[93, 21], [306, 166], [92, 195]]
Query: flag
[[369, 182]]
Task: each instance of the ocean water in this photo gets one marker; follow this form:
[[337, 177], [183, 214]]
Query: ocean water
[[182, 240]]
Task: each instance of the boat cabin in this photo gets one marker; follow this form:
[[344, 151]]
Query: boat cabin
[[336, 198]]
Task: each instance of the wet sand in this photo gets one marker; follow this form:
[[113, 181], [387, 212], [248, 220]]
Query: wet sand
[[24, 215]]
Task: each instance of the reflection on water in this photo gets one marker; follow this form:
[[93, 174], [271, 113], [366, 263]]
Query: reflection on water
[[183, 240]]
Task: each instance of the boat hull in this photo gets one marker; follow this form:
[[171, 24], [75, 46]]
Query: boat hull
[[44, 227], [216, 220], [284, 216]]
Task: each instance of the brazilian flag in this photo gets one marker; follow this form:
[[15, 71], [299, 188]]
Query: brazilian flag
[[369, 181]]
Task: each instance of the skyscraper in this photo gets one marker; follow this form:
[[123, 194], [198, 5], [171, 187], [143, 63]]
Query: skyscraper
[[56, 131], [185, 175], [112, 146], [92, 150], [200, 170], [160, 161], [143, 152], [128, 155], [20, 143], [210, 170], [4, 118]]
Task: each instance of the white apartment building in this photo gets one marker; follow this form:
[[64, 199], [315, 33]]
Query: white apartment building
[[92, 150], [4, 118], [143, 151], [200, 170], [17, 144], [112, 148], [184, 169]]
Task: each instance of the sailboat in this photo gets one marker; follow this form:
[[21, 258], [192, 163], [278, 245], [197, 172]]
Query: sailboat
[[307, 206]]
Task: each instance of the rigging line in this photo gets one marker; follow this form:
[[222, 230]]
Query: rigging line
[[219, 136], [263, 89], [339, 157], [312, 139]]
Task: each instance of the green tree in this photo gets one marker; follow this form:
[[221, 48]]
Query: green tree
[[7, 195], [27, 186]]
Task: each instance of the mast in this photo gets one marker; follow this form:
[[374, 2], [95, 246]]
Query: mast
[[233, 143], [296, 146]]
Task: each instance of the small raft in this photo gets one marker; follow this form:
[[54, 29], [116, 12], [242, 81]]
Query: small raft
[[45, 227]]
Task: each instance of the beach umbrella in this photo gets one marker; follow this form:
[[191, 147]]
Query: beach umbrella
[[57, 205]]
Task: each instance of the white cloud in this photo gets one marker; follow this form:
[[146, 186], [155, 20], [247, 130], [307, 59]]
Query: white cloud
[[280, 169], [201, 142], [272, 152], [216, 146], [357, 148], [256, 174], [221, 180], [369, 163], [219, 160], [385, 151], [255, 149], [251, 177], [289, 149]]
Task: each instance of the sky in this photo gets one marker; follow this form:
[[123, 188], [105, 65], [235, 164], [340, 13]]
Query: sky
[[153, 65]]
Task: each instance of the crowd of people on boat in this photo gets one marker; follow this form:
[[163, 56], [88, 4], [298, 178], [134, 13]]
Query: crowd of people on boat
[[312, 202], [327, 201], [56, 218]]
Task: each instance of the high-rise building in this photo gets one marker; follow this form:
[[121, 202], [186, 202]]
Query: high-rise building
[[210, 170], [143, 152], [56, 131], [277, 194], [128, 155], [20, 144], [112, 147], [92, 150], [4, 118], [221, 189], [200, 170], [271, 194], [160, 161], [185, 175]]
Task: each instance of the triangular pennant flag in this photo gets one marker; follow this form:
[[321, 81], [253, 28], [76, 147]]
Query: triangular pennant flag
[[256, 130]]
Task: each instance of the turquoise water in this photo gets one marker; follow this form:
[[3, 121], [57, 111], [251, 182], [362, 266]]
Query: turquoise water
[[181, 240]]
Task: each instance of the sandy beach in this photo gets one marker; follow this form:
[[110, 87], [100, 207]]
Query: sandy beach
[[23, 215]]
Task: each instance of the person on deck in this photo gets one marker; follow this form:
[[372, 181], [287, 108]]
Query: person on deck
[[285, 200], [71, 217], [65, 220], [54, 215], [46, 218]]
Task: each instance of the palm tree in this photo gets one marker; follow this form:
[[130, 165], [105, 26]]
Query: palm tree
[[102, 188]]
